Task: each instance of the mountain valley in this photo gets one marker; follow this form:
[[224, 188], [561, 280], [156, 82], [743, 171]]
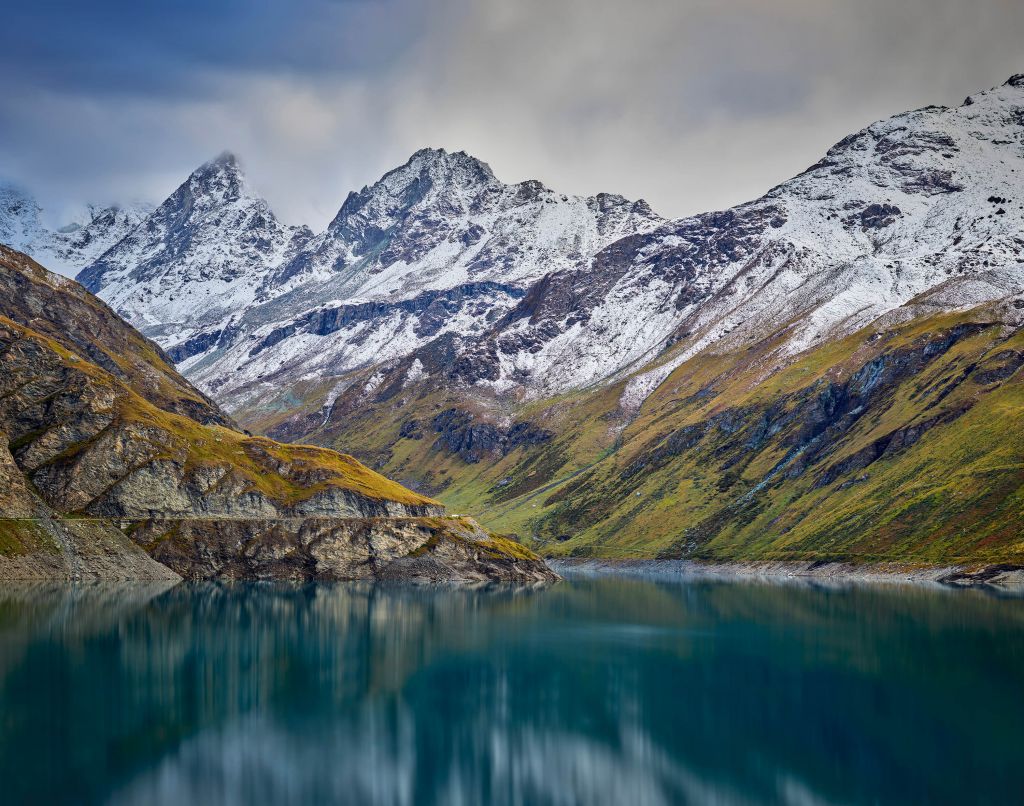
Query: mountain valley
[[826, 373]]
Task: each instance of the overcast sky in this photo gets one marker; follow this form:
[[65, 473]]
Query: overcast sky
[[691, 104]]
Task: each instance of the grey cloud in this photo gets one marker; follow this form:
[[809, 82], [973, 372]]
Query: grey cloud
[[692, 104]]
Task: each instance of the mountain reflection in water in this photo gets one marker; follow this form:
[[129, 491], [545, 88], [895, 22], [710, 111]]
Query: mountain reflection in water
[[617, 691]]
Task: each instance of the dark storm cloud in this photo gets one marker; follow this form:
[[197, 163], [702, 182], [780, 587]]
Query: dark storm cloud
[[692, 104], [173, 48]]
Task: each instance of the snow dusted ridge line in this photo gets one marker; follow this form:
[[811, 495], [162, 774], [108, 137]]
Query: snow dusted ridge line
[[924, 208], [200, 258], [438, 248], [74, 245], [441, 273]]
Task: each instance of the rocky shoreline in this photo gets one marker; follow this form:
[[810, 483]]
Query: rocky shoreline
[[1004, 575], [452, 550]]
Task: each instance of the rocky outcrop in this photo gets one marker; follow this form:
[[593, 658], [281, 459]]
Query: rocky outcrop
[[394, 549], [36, 544], [460, 433]]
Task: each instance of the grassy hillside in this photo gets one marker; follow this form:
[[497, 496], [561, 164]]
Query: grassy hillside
[[68, 315], [894, 444]]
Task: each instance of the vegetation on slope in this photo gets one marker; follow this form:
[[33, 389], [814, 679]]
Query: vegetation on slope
[[899, 443], [80, 323], [99, 413]]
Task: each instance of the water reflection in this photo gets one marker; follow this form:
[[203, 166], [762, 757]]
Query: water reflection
[[596, 691]]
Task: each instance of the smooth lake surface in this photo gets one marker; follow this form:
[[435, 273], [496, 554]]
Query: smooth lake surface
[[605, 691]]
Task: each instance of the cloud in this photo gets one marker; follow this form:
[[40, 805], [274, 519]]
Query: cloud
[[692, 104]]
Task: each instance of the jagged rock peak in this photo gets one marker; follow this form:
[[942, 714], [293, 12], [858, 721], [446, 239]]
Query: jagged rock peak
[[220, 180], [428, 172], [205, 250], [432, 179], [452, 162]]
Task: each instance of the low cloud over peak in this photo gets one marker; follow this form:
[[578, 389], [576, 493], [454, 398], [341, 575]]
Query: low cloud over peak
[[691, 104]]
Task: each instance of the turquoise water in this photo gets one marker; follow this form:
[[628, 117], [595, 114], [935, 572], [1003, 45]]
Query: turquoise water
[[616, 691]]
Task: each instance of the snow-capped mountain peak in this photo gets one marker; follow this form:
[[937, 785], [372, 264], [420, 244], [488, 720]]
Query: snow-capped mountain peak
[[19, 216], [201, 256], [219, 181], [432, 183], [443, 218]]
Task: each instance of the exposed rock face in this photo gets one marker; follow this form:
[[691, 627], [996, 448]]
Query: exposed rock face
[[118, 447], [416, 549], [16, 499], [35, 544], [471, 441]]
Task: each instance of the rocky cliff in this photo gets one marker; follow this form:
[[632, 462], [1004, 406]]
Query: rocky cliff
[[105, 442]]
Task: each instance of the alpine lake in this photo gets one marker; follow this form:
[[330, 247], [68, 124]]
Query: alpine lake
[[595, 690]]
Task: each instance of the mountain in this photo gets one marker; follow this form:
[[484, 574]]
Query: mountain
[[783, 380], [437, 248], [200, 257], [73, 246], [443, 220], [828, 372], [111, 460], [927, 201]]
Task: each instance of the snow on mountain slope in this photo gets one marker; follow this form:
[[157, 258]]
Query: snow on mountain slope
[[926, 201], [73, 246], [200, 258], [441, 270], [443, 219], [438, 247]]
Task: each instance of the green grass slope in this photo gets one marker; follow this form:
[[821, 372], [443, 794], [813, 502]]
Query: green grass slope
[[896, 444]]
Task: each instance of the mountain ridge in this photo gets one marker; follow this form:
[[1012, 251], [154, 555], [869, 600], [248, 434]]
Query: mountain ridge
[[436, 246], [70, 247], [444, 318]]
